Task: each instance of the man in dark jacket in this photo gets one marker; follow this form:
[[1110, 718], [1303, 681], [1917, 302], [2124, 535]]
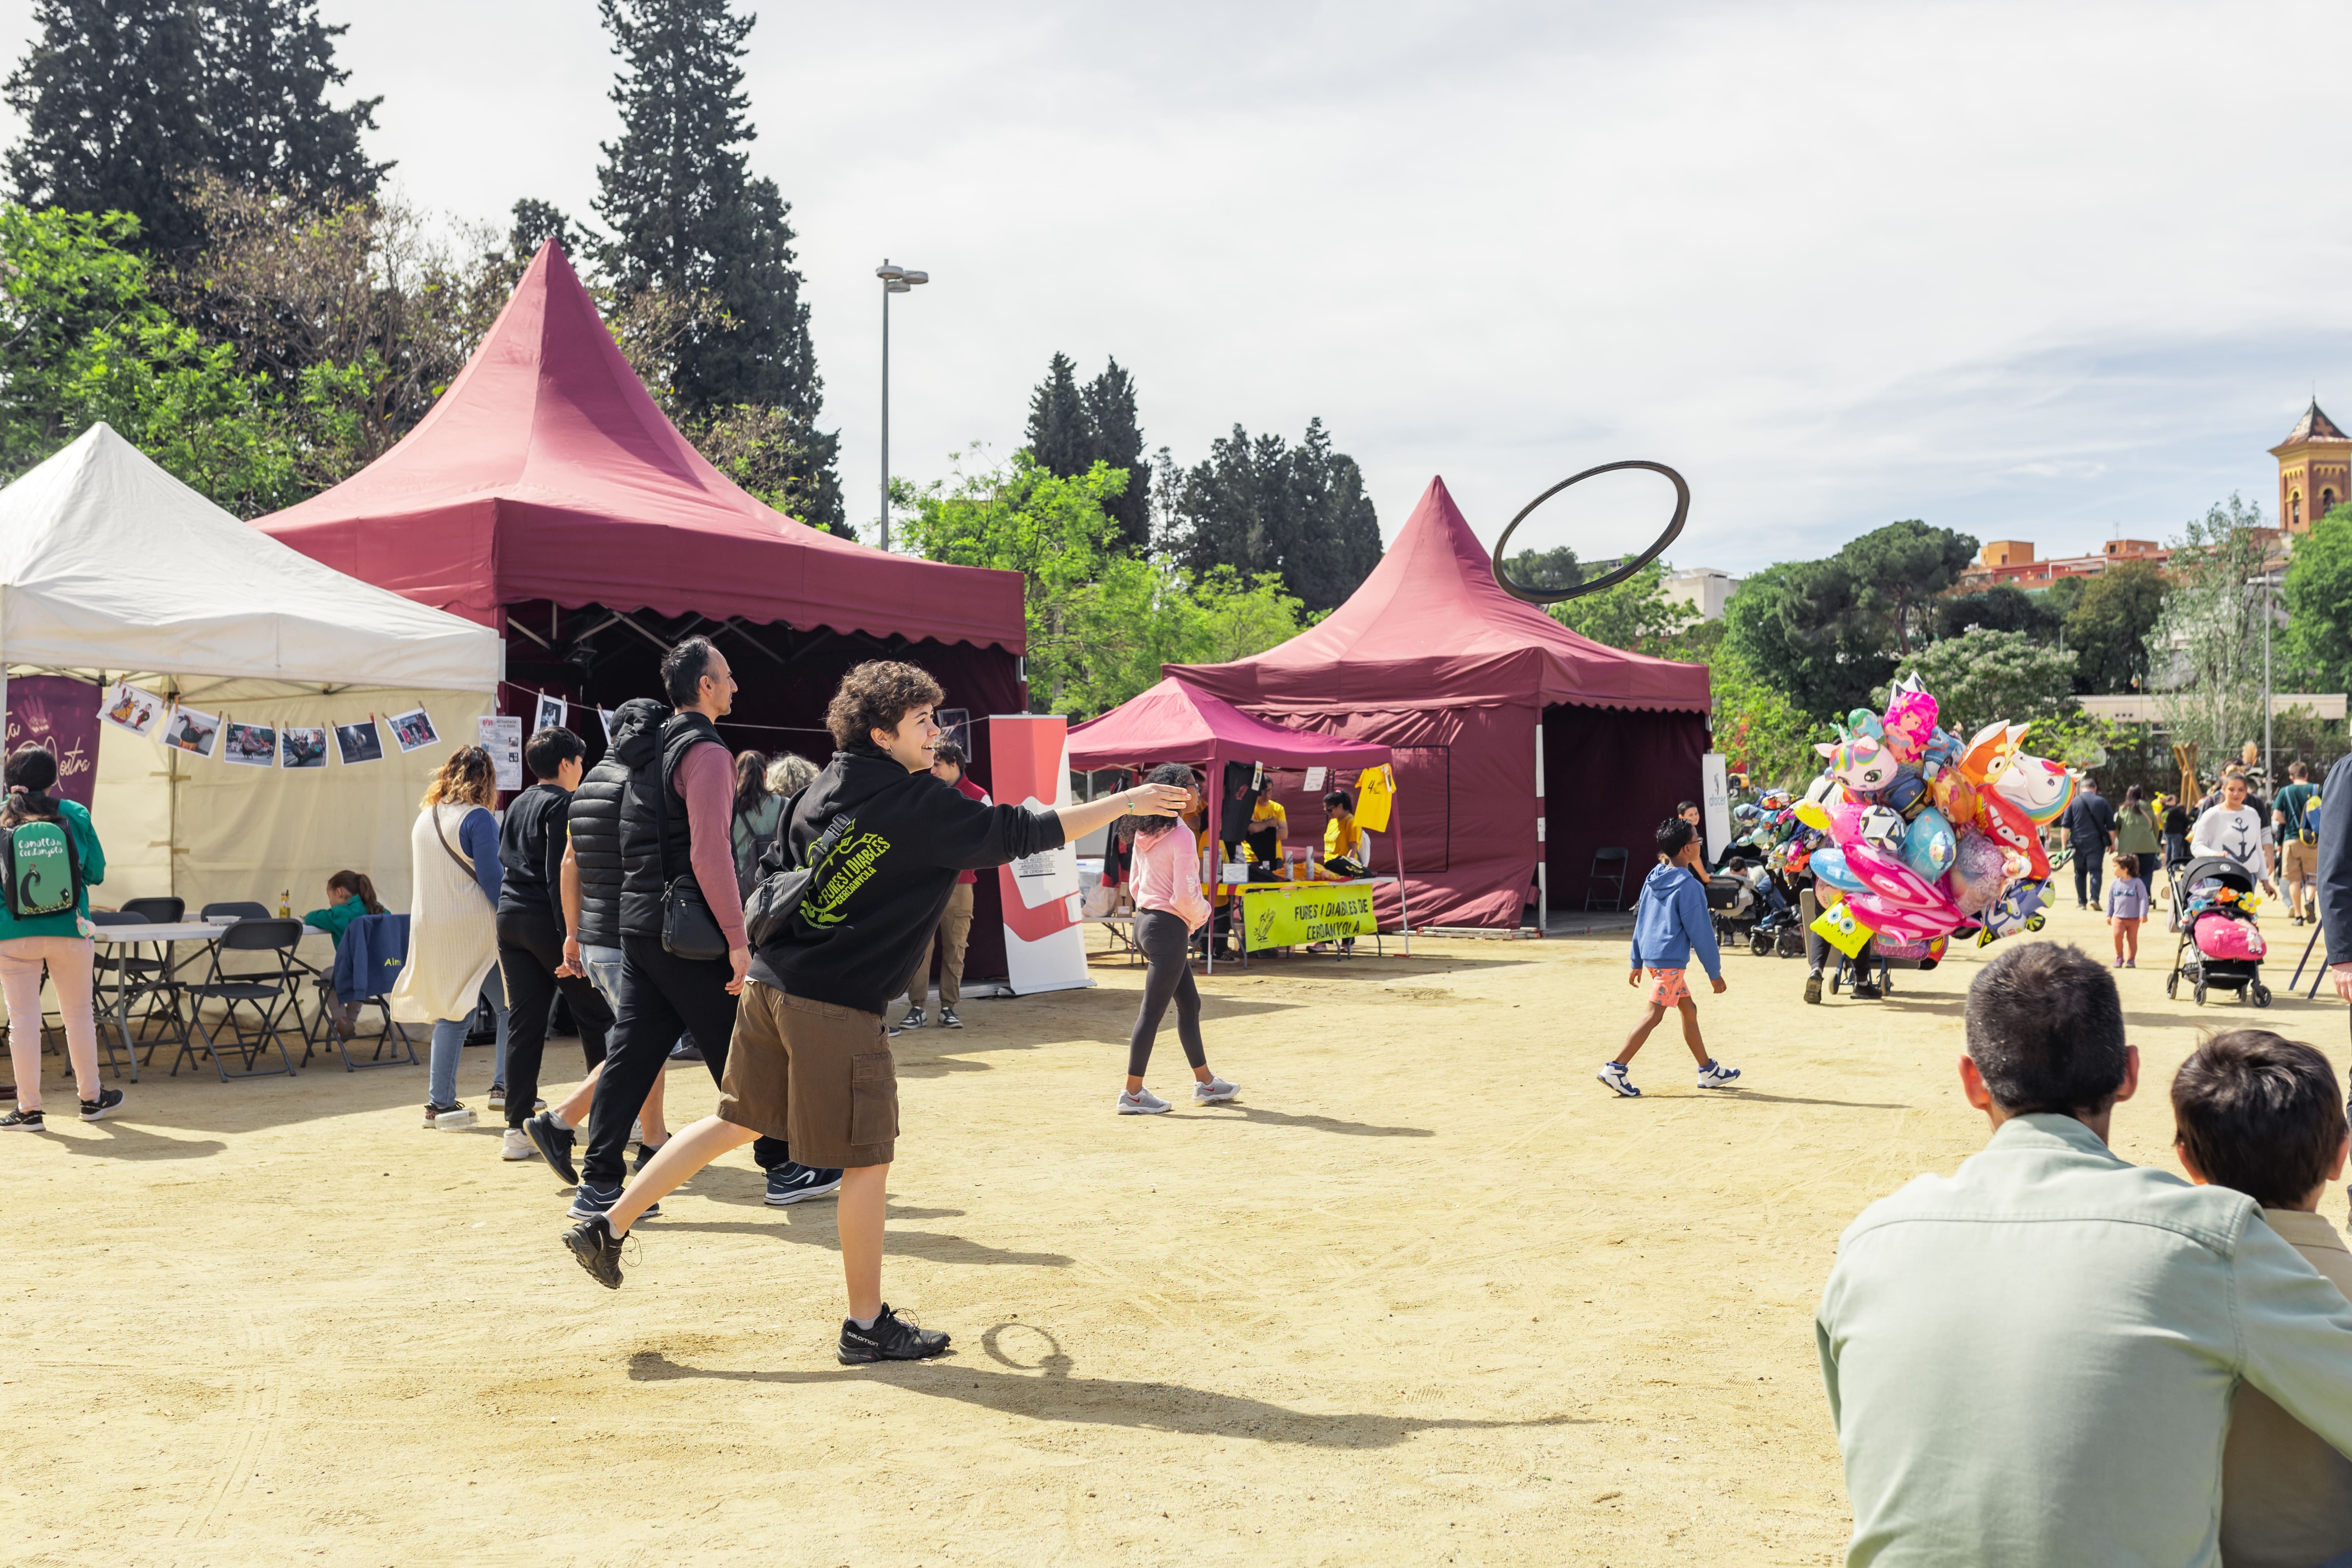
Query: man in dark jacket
[[2091, 828], [810, 1057]]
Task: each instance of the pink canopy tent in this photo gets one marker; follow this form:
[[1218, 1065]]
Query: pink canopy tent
[[1173, 722], [1519, 744]]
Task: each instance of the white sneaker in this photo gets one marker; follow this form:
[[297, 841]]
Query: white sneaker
[[1613, 1075], [1213, 1091], [1143, 1102], [447, 1118], [516, 1145], [1715, 1075]]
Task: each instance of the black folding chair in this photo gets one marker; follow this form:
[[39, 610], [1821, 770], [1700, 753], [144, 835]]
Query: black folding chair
[[268, 995], [1607, 866], [150, 983], [244, 909]]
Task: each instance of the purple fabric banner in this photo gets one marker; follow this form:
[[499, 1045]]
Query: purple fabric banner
[[60, 713]]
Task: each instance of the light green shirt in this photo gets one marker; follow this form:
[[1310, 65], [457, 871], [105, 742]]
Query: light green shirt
[[2030, 1362]]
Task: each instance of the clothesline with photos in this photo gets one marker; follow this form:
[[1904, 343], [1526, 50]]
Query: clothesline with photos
[[261, 743]]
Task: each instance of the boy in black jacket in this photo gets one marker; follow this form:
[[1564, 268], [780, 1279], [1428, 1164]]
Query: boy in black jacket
[[810, 1061]]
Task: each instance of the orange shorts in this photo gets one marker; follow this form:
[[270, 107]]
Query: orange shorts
[[1667, 988]]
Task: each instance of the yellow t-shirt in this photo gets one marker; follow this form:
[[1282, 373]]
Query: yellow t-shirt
[[1270, 810], [1341, 836]]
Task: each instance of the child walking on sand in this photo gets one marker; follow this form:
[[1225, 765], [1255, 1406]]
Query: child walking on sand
[[1671, 919], [2127, 907]]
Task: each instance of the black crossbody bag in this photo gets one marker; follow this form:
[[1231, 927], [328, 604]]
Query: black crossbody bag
[[688, 929], [782, 886]]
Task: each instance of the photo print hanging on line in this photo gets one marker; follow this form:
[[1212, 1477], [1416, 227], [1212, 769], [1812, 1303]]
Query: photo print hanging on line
[[249, 745], [301, 746], [413, 730], [359, 742], [604, 715], [553, 713], [129, 708], [189, 730]]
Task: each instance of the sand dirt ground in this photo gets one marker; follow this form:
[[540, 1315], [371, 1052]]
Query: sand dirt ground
[[1426, 1294]]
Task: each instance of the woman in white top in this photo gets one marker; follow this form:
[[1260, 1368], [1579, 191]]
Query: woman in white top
[[453, 928], [2235, 830]]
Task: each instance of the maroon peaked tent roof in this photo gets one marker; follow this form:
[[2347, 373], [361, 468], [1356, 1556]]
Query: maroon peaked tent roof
[[547, 472], [1430, 629], [1173, 722]]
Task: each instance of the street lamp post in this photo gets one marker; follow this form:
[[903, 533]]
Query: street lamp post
[[2268, 583], [895, 280]]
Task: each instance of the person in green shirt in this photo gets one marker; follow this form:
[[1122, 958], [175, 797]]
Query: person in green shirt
[[2298, 859], [2031, 1363], [2136, 831], [350, 894], [59, 943]]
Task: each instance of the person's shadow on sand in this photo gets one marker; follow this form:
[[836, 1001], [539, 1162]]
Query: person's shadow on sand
[[1047, 1392]]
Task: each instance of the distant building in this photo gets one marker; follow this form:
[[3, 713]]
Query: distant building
[[2011, 560], [1703, 588], [2314, 470]]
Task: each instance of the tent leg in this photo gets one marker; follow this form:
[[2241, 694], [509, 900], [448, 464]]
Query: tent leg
[[1404, 916], [1216, 861]]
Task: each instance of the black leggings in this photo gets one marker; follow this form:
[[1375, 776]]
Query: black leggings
[[530, 950], [1167, 947]]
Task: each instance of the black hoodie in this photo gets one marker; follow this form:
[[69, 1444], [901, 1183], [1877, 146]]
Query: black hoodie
[[879, 893]]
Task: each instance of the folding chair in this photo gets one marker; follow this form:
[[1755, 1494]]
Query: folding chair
[[244, 909], [268, 994], [1607, 866], [149, 980], [367, 962]]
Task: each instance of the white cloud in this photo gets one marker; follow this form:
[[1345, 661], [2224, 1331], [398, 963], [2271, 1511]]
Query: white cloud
[[2038, 271]]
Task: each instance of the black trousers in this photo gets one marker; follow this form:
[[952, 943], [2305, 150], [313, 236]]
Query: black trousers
[[1168, 949], [530, 950], [661, 996], [2090, 859]]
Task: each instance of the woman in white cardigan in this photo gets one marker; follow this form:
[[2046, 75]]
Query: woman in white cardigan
[[453, 929]]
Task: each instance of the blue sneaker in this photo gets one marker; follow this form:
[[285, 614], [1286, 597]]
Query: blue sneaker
[[793, 1182], [1715, 1075], [589, 1202], [1612, 1074]]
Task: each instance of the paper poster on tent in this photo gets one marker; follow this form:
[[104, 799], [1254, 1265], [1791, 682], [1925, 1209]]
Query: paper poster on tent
[[302, 746], [1315, 777], [501, 736], [59, 712], [1044, 947], [1715, 803], [249, 745], [191, 732], [413, 730], [552, 713], [129, 708], [359, 742]]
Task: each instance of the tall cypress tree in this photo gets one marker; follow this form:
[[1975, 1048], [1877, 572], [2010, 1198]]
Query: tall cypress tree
[[1115, 436], [1258, 504], [111, 96], [268, 65], [1057, 421], [686, 214]]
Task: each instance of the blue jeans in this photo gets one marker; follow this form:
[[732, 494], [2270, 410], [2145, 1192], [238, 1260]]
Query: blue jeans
[[449, 1043]]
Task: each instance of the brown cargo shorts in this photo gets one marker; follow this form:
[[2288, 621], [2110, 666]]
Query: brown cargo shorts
[[815, 1074]]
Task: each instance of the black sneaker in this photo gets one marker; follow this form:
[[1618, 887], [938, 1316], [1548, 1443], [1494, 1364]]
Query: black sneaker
[[1813, 986], [21, 1120], [96, 1110], [793, 1182], [554, 1145], [646, 1152], [891, 1338], [592, 1241], [947, 1019], [913, 1020], [1863, 991], [591, 1202]]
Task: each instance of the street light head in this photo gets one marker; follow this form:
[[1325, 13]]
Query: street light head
[[917, 277], [889, 274], [896, 287]]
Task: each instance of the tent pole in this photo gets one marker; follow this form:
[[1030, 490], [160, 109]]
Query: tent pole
[[1404, 916], [1214, 794]]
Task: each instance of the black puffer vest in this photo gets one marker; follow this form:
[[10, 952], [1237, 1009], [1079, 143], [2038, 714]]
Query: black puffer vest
[[595, 821], [657, 844]]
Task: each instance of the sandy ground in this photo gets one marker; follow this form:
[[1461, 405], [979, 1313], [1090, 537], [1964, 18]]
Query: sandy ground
[[1426, 1294]]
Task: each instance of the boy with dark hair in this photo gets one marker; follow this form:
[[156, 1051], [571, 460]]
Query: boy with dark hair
[[531, 930], [2031, 1361], [1669, 920], [810, 1058], [2264, 1116]]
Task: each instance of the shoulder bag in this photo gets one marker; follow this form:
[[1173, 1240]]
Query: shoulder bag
[[783, 885], [688, 929]]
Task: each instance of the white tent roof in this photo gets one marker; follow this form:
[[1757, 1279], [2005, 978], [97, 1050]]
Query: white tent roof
[[108, 562]]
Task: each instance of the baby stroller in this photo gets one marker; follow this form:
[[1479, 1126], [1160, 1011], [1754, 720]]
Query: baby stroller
[[1779, 929], [2221, 945], [1731, 901]]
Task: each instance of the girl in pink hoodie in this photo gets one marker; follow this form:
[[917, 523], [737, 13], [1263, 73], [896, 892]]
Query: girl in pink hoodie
[[1165, 878]]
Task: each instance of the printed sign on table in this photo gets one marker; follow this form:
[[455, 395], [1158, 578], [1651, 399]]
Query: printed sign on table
[[1292, 916], [61, 713], [501, 736]]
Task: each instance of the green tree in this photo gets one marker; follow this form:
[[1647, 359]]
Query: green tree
[[1058, 432], [1072, 428], [2108, 626], [111, 96], [688, 218], [2205, 651], [2318, 594], [1258, 505], [268, 67], [1760, 733], [1982, 677], [1790, 624], [1896, 574], [2002, 608], [1635, 615]]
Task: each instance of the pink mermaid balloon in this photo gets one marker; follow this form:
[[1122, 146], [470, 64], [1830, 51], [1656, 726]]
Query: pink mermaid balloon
[[1910, 722]]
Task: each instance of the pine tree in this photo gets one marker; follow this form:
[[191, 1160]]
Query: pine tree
[[1258, 504], [268, 67], [111, 97], [1057, 422], [1115, 436]]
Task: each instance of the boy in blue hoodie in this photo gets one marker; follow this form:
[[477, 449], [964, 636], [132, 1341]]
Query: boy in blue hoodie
[[1671, 919]]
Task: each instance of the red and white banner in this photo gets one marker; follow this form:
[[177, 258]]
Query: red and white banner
[[1045, 946]]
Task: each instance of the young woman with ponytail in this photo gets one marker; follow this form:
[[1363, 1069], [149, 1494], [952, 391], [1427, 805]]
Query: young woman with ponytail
[[60, 941]]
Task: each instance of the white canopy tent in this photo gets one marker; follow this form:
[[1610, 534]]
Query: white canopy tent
[[112, 569]]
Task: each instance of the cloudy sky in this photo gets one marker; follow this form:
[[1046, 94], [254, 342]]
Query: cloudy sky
[[2036, 272]]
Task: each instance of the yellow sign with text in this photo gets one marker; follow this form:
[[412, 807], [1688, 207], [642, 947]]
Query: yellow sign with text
[[1291, 914]]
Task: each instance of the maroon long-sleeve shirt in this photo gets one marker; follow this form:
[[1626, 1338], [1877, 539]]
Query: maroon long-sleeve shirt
[[705, 780]]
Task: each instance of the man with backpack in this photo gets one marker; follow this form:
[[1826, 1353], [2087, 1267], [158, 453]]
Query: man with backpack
[[2298, 841]]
